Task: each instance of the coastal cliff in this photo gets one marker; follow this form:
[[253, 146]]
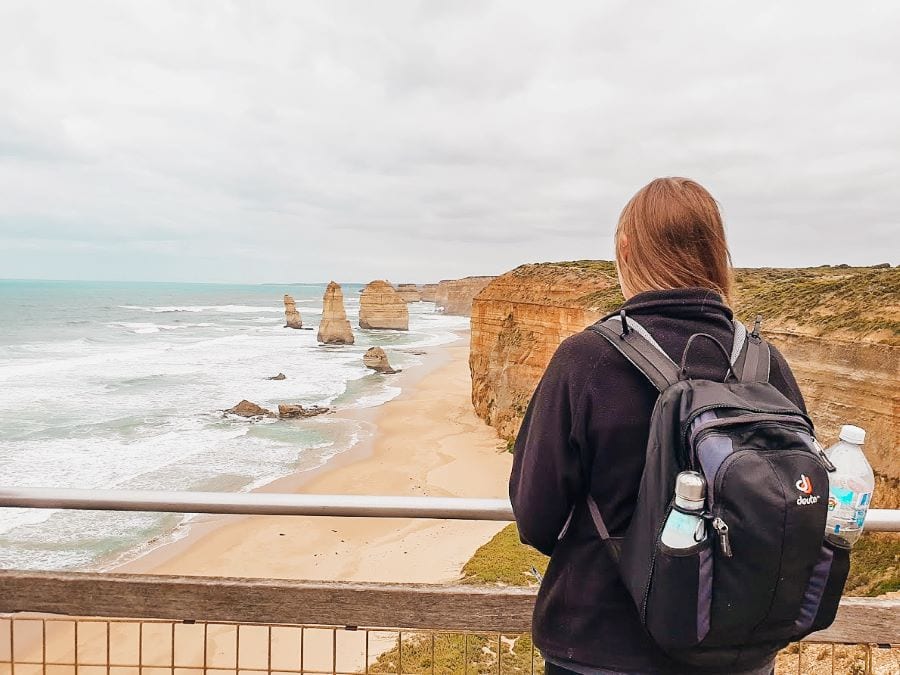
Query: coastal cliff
[[839, 329], [455, 296], [409, 292], [427, 292]]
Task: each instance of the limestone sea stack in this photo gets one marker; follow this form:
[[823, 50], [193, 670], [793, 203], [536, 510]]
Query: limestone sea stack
[[377, 360], [409, 292], [291, 315], [381, 307], [334, 329]]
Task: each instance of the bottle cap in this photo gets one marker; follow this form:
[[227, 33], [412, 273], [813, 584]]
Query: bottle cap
[[690, 490], [852, 434]]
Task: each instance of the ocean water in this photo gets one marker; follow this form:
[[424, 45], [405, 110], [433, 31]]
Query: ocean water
[[122, 385]]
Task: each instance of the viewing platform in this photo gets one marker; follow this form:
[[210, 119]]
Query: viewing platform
[[90, 623]]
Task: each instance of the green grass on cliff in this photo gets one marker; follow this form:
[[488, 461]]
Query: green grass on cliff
[[863, 301], [504, 560], [874, 565], [606, 268], [859, 300], [457, 653]]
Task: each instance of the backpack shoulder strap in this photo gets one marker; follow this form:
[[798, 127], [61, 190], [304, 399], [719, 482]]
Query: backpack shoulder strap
[[752, 359], [633, 341]]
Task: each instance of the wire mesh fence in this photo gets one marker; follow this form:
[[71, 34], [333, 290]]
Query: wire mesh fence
[[91, 646]]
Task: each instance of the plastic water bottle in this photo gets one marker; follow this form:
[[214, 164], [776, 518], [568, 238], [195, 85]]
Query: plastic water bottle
[[850, 487], [685, 527]]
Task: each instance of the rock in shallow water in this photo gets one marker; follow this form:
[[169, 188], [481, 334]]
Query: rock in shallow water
[[376, 359], [249, 409], [287, 411]]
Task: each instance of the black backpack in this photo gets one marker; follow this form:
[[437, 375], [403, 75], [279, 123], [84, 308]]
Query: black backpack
[[764, 576]]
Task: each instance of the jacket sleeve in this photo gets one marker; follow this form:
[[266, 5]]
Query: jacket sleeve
[[546, 474]]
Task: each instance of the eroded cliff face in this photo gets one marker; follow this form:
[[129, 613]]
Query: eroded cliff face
[[409, 292], [518, 320], [455, 296], [851, 382], [839, 329], [427, 292]]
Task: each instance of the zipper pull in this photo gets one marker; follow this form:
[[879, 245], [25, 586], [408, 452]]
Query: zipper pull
[[721, 528], [829, 467]]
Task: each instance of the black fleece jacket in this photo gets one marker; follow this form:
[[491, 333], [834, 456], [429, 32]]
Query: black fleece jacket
[[586, 429]]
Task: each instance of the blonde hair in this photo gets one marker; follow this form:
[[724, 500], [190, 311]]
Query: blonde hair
[[674, 238]]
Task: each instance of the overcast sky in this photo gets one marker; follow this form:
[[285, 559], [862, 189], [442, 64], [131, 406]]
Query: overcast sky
[[304, 141]]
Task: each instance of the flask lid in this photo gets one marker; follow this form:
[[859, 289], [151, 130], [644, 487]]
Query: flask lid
[[690, 490], [852, 434]]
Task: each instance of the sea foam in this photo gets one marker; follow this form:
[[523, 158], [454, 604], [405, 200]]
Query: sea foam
[[112, 399]]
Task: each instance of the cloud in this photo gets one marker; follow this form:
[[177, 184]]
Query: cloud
[[252, 141]]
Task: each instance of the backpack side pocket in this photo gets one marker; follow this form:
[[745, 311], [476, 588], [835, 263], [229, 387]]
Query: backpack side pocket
[[823, 593], [680, 596]]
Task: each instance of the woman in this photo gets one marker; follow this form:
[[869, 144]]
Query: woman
[[586, 428]]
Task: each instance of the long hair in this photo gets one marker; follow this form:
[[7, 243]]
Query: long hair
[[674, 237]]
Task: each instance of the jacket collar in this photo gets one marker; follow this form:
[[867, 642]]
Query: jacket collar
[[677, 302]]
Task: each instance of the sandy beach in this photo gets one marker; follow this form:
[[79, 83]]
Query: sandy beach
[[427, 441]]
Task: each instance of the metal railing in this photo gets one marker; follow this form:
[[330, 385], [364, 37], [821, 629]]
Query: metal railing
[[277, 504], [261, 503], [199, 625], [157, 647]]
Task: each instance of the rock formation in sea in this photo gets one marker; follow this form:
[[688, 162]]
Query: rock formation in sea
[[381, 307], [377, 360], [334, 328], [454, 296], [427, 291], [288, 411], [279, 376], [249, 409], [839, 328], [291, 315], [409, 292]]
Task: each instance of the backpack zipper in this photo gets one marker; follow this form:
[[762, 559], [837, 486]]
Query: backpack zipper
[[814, 447], [685, 427], [721, 529], [829, 467], [746, 419]]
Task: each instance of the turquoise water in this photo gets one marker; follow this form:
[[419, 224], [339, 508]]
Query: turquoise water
[[121, 385]]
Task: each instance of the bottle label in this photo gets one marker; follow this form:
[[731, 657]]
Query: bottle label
[[848, 505], [687, 525]]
